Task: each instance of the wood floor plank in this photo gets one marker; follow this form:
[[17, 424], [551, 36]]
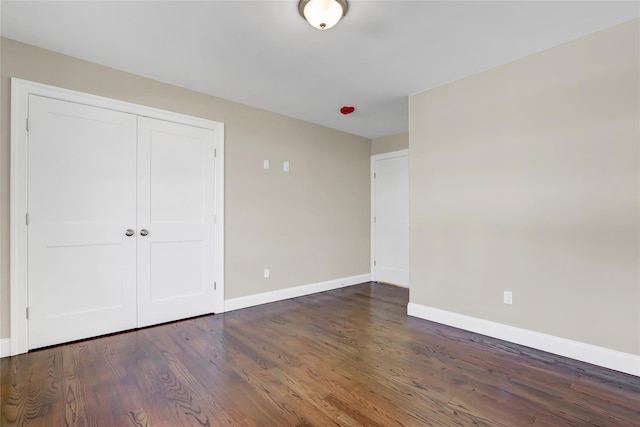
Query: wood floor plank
[[348, 357]]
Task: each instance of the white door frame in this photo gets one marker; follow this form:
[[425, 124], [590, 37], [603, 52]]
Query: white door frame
[[374, 159], [20, 91]]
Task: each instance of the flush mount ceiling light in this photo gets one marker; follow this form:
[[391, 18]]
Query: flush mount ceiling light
[[322, 14]]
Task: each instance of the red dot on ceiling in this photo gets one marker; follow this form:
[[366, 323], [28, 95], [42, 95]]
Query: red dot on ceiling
[[347, 109]]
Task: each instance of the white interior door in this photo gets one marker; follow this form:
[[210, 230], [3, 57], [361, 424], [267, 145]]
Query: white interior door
[[176, 210], [81, 200], [391, 218]]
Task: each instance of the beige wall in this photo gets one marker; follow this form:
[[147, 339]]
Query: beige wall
[[387, 144], [526, 178], [306, 226]]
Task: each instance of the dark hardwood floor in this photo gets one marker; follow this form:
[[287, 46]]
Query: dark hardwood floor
[[347, 357]]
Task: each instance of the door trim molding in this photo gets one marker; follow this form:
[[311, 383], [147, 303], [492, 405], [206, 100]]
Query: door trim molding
[[374, 159], [20, 91]]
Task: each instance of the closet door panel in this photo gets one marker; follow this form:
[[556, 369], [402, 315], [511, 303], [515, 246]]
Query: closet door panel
[[175, 221], [81, 200]]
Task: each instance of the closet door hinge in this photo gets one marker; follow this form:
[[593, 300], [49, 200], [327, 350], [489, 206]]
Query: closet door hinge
[[26, 218], [27, 123], [27, 310], [215, 286], [215, 152], [374, 175], [374, 262]]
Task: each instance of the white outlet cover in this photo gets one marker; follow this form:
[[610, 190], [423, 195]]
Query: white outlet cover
[[508, 297], [285, 167], [266, 164], [266, 273]]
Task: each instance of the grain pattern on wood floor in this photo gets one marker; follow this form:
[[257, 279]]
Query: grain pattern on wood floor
[[349, 357]]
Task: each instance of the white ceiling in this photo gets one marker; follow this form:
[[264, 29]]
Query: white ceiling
[[262, 53]]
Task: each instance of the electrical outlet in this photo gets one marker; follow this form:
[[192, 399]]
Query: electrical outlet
[[265, 164], [266, 273], [285, 166], [508, 297]]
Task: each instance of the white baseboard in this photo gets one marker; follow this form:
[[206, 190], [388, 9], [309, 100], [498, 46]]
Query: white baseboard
[[298, 291], [601, 356], [5, 347]]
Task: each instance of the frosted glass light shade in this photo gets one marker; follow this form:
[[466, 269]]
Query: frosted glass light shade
[[322, 14]]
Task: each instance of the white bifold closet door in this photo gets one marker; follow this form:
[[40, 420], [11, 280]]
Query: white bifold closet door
[[176, 206], [120, 222], [81, 200]]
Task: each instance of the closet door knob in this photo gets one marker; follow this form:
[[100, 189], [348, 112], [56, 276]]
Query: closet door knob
[[129, 232], [144, 232]]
